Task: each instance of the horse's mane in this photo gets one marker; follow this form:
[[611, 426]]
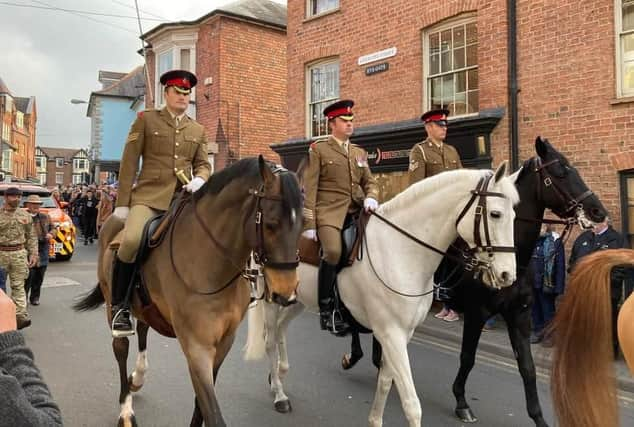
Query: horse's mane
[[249, 169], [582, 380], [442, 180]]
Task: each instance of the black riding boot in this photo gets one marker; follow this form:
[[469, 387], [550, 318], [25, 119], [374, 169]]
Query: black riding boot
[[328, 318], [122, 278]]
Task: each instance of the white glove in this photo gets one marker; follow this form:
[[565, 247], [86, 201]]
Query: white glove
[[121, 212], [370, 204], [195, 184], [310, 234]]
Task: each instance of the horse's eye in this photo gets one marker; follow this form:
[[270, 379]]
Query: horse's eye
[[496, 214], [271, 226]]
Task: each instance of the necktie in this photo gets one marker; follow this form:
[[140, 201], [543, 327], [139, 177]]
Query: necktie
[[345, 147], [178, 120]]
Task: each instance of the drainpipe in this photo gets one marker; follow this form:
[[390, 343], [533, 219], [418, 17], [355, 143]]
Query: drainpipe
[[511, 7]]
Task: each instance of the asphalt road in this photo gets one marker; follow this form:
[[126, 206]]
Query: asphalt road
[[74, 352]]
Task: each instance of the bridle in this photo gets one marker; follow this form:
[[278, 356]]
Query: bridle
[[259, 256], [466, 258], [543, 176]]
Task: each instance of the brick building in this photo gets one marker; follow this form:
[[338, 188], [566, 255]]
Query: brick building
[[58, 167], [238, 53], [19, 118], [574, 78]]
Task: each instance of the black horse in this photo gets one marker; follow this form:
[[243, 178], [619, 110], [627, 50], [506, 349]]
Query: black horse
[[546, 181]]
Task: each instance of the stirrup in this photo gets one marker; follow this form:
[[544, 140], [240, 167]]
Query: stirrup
[[120, 333]]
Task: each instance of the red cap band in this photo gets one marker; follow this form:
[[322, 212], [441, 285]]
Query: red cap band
[[434, 118], [179, 82], [339, 112]]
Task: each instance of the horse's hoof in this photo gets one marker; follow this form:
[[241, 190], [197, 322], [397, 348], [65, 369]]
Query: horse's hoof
[[346, 362], [130, 422], [283, 406], [466, 415], [133, 388]]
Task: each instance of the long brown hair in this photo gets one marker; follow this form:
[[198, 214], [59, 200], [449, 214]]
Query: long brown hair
[[583, 386]]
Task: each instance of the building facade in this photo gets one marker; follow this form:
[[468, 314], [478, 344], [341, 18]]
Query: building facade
[[563, 70], [112, 110], [19, 118], [58, 167], [238, 53]]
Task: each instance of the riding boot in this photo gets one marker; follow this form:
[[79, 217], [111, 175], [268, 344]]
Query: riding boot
[[328, 318], [122, 277]]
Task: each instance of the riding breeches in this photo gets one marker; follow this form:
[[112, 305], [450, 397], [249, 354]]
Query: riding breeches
[[133, 230], [330, 238]]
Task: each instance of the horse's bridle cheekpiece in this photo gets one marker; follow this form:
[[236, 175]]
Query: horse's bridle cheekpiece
[[572, 203]]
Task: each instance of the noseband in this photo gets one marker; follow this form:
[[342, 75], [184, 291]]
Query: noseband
[[480, 193]]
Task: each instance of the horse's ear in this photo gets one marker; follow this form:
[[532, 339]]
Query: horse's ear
[[502, 171], [541, 147], [513, 177], [265, 171]]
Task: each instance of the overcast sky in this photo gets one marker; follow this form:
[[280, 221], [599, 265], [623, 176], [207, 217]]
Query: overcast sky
[[56, 56]]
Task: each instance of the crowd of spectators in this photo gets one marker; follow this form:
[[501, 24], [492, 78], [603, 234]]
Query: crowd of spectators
[[89, 206]]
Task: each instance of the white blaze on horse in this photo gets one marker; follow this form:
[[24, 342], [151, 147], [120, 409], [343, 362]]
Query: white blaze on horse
[[390, 289]]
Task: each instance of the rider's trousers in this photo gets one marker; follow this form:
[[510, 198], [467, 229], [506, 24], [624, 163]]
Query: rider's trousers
[[134, 224]]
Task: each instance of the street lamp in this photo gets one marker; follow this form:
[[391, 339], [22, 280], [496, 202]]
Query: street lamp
[[78, 101]]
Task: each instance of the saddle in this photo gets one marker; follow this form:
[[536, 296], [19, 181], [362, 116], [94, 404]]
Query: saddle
[[154, 233], [351, 240]]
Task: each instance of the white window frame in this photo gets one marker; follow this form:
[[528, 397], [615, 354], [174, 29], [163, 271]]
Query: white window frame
[[77, 178], [7, 160], [311, 3], [450, 24], [57, 162], [618, 44], [42, 177], [309, 107], [173, 43], [76, 166], [19, 119], [42, 166], [59, 177]]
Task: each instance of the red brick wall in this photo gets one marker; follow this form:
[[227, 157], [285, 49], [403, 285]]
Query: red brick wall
[[566, 57], [20, 141], [253, 87]]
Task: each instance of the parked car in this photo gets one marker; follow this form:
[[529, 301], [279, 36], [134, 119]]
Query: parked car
[[64, 235]]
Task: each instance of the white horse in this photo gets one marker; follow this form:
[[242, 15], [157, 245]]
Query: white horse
[[433, 211]]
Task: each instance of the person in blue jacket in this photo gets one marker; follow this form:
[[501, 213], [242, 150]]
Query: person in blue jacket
[[549, 280]]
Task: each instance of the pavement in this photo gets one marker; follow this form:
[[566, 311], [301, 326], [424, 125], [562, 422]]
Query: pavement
[[496, 342]]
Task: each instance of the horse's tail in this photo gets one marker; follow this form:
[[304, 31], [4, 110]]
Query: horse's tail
[[582, 382], [254, 349], [90, 300]]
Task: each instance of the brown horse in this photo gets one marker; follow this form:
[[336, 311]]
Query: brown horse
[[582, 380], [195, 277]]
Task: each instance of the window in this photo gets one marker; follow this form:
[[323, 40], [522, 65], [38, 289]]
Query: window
[[165, 61], [59, 162], [40, 163], [42, 178], [625, 47], [77, 179], [317, 7], [627, 205], [451, 67], [6, 131], [19, 120], [7, 160], [79, 164], [323, 90], [59, 177]]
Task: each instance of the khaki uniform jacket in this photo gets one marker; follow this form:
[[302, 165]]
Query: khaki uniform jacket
[[165, 149], [16, 228], [335, 183], [427, 159]]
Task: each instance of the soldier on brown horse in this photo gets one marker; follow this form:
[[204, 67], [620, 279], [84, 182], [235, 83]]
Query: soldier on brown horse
[[195, 278]]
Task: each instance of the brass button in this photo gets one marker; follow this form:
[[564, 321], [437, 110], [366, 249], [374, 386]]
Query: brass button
[[175, 156], [177, 131], [175, 169], [177, 144]]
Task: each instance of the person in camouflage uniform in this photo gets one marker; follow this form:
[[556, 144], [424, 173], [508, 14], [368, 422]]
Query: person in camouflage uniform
[[18, 250]]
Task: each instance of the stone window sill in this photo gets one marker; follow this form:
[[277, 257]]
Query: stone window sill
[[321, 15], [623, 100]]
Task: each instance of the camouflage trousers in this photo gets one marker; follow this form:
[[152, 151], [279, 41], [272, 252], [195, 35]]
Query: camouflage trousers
[[15, 264]]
